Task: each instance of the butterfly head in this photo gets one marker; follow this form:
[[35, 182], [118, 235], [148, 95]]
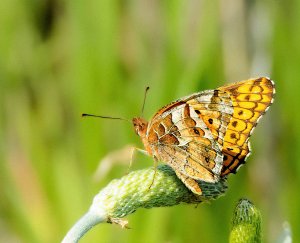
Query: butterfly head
[[140, 126]]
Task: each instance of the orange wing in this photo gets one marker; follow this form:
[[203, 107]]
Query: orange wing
[[204, 136], [250, 100]]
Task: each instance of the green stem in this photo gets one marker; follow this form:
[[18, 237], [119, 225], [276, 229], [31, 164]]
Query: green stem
[[83, 225]]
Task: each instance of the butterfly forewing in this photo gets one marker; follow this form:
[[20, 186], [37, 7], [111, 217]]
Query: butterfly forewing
[[204, 136], [250, 100]]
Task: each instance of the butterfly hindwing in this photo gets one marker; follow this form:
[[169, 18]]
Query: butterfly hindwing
[[184, 136]]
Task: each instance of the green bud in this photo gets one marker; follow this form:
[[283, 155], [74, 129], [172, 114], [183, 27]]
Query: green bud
[[145, 188], [246, 223]]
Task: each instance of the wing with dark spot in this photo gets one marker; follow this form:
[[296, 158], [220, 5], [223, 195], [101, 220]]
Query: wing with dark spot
[[250, 100]]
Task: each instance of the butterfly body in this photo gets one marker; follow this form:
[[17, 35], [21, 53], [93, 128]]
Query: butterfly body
[[204, 136]]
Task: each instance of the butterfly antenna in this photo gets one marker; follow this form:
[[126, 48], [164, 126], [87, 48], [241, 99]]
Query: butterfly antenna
[[105, 117], [144, 101]]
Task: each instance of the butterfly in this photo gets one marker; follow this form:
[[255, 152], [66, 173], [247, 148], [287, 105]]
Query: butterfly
[[204, 136]]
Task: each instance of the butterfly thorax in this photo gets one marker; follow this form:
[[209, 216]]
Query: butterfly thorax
[[140, 127]]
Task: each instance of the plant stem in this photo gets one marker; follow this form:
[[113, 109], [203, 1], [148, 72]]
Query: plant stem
[[83, 225]]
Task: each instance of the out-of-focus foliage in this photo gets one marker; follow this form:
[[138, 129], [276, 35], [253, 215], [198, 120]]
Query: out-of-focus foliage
[[61, 58]]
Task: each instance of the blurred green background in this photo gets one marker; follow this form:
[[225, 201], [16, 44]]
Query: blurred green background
[[61, 58]]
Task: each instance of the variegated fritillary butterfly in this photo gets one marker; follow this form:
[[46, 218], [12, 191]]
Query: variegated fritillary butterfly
[[205, 136]]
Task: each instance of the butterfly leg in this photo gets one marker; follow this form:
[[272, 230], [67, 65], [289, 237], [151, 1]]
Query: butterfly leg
[[133, 150], [155, 170]]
